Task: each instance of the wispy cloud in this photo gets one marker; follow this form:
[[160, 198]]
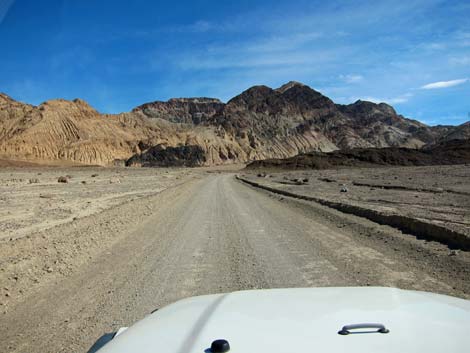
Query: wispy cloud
[[263, 61], [444, 84], [283, 42], [291, 49], [393, 100], [433, 46], [351, 78], [460, 60]]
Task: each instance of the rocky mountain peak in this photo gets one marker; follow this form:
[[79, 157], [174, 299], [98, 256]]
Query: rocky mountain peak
[[63, 106], [254, 92], [254, 98], [194, 110], [196, 100], [82, 103], [362, 108], [306, 98], [288, 86]]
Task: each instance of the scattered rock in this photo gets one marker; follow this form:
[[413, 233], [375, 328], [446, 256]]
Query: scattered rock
[[62, 179], [297, 181], [327, 180], [453, 253], [33, 181], [94, 175], [46, 196]]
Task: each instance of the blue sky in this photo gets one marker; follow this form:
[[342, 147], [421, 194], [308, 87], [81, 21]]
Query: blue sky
[[413, 54]]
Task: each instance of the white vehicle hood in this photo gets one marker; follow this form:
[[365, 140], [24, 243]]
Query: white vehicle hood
[[303, 320]]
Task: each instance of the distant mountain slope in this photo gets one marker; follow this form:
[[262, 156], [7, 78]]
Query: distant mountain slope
[[460, 132], [64, 130], [262, 114], [259, 123], [73, 131], [449, 152]]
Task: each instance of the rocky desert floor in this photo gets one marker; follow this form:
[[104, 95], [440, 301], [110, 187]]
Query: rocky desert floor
[[104, 249], [436, 195], [32, 200]]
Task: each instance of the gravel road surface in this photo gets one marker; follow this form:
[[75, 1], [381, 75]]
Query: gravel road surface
[[215, 234]]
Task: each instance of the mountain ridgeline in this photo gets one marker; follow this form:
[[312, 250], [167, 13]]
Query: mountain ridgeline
[[260, 123]]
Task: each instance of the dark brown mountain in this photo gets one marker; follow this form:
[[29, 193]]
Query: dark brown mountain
[[183, 110], [446, 133]]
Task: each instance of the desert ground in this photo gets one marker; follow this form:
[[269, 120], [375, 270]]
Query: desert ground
[[82, 258], [437, 195]]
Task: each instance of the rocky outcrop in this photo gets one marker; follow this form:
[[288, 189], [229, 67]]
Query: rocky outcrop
[[260, 123], [183, 110], [159, 156]]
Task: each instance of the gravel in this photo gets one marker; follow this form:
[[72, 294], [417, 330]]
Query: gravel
[[210, 234]]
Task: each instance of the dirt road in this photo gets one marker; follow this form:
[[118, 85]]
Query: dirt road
[[216, 234]]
